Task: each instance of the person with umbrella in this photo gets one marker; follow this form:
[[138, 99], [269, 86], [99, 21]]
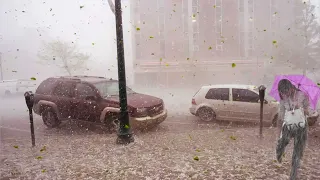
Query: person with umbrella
[[296, 94]]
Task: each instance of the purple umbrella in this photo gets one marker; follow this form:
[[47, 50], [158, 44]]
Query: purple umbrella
[[301, 82]]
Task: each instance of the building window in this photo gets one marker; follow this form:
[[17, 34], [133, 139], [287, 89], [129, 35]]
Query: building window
[[161, 27], [196, 48], [218, 25], [162, 48], [195, 3], [241, 5], [195, 25], [137, 3]]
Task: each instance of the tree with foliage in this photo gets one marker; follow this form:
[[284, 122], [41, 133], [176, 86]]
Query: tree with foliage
[[298, 43], [63, 55]]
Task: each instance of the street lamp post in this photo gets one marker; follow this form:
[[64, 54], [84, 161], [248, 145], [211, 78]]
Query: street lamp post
[[262, 90], [124, 133]]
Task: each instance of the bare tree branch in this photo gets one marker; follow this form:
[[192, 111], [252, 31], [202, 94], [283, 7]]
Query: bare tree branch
[[112, 7], [63, 55]]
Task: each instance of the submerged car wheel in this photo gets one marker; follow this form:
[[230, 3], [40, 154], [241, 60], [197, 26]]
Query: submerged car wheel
[[50, 118], [112, 122], [206, 114]]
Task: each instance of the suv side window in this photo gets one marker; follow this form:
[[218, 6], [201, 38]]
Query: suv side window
[[63, 89], [244, 95], [218, 94], [84, 90]]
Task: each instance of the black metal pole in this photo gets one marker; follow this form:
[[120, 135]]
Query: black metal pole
[[124, 133], [262, 90], [32, 128], [29, 101]]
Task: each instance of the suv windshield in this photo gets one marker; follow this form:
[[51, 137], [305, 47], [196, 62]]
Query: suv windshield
[[110, 88]]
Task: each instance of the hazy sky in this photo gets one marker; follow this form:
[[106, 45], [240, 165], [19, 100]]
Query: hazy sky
[[25, 24]]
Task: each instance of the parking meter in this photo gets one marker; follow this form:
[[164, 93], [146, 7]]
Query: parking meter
[[29, 97], [262, 91]]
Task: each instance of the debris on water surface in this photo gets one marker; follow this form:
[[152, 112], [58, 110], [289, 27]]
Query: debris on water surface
[[44, 148], [196, 158], [33, 78], [81, 7], [39, 157], [233, 137], [233, 65], [16, 146]]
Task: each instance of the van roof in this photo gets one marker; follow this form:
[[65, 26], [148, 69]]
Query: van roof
[[242, 86]]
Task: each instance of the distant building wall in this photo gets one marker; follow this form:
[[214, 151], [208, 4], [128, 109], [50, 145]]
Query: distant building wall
[[172, 36]]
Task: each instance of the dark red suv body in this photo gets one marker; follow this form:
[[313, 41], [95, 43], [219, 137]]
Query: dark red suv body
[[93, 99]]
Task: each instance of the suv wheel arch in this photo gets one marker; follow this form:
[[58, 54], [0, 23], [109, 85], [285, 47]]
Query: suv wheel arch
[[107, 110], [43, 105]]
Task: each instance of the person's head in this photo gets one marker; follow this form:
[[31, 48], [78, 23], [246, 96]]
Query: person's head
[[286, 88]]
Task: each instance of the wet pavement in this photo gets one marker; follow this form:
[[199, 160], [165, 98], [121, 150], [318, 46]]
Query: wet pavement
[[80, 150]]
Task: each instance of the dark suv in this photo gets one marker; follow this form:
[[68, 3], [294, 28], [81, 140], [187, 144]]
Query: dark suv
[[93, 99]]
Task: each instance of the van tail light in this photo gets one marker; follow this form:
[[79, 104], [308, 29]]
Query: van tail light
[[193, 102]]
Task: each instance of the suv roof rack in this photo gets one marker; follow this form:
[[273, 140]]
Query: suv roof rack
[[89, 76]]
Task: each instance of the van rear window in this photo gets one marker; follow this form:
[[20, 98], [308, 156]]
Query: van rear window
[[218, 94]]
